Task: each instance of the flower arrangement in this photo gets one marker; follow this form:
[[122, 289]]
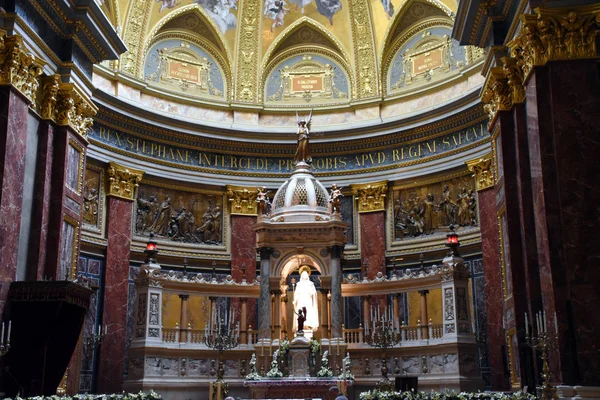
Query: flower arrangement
[[411, 395], [284, 346], [253, 375], [315, 346], [325, 371], [346, 374], [124, 396], [275, 372]]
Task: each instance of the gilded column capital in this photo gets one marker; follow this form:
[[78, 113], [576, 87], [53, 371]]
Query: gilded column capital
[[241, 200], [370, 197], [551, 34], [18, 67], [73, 108], [122, 181], [482, 171], [496, 94]]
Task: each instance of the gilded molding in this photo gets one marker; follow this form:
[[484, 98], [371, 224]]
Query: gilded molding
[[71, 108], [241, 200], [483, 172], [555, 34], [136, 23], [367, 82], [50, 87], [370, 197], [18, 67], [246, 90], [122, 181]]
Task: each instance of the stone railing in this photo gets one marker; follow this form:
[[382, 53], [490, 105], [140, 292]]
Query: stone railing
[[359, 336], [353, 335]]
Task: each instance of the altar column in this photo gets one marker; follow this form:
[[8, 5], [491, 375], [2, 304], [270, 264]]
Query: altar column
[[264, 302], [424, 317], [183, 321], [243, 319], [336, 292]]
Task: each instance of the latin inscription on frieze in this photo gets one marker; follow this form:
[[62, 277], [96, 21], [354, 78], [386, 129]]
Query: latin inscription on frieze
[[184, 155]]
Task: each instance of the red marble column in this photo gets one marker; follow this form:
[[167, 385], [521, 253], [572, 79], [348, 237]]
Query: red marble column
[[243, 251], [563, 129], [13, 147], [116, 282], [493, 287], [372, 241], [41, 209], [66, 203]]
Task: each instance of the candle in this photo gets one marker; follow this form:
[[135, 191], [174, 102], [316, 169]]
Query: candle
[[526, 325], [9, 326], [329, 346], [371, 313], [544, 321], [2, 337], [537, 322], [338, 346], [555, 324], [105, 329], [99, 330]]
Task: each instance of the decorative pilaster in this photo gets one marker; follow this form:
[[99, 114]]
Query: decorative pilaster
[[367, 79], [248, 39]]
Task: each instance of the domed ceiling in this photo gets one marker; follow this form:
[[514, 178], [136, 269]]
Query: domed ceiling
[[287, 53]]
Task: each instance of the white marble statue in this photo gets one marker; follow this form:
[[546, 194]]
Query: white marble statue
[[305, 297]]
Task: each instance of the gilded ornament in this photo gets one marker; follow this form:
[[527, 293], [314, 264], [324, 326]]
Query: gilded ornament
[[482, 171], [496, 93], [364, 48], [50, 87], [133, 31], [514, 76], [370, 197], [247, 71], [555, 34], [18, 67], [122, 181], [241, 200], [73, 109]]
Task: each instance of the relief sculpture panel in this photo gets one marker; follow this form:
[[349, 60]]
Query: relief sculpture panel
[[92, 188], [430, 209], [178, 215]]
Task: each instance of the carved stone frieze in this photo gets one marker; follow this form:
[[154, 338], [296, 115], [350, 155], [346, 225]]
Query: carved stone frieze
[[482, 171], [122, 181], [241, 200], [18, 67], [370, 197]]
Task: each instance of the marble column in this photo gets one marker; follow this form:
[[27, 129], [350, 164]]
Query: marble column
[[183, 320], [336, 292], [563, 128], [243, 260], [41, 209], [424, 317], [264, 302], [116, 282], [13, 147], [243, 319]]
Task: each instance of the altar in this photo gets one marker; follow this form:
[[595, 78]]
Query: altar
[[294, 388]]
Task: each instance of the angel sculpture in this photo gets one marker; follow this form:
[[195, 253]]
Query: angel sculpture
[[303, 149], [262, 198], [335, 199]]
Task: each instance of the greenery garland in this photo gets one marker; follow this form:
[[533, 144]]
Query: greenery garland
[[124, 396], [411, 395]]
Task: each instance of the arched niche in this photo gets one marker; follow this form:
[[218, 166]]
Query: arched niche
[[185, 66], [293, 260], [423, 58], [306, 77]]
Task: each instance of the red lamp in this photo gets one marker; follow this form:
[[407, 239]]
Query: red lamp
[[151, 250], [452, 242]]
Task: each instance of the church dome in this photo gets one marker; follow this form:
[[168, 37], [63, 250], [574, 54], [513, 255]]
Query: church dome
[[302, 198]]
